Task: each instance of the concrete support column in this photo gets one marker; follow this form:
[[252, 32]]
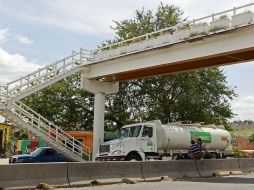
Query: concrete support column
[[100, 90], [98, 125]]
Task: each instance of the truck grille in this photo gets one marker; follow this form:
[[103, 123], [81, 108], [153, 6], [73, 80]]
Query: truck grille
[[104, 148]]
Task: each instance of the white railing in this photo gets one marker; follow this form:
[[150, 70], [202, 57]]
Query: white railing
[[172, 29], [47, 73], [3, 94], [45, 127]]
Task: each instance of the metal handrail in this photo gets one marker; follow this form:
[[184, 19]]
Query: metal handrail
[[3, 92], [48, 72], [42, 125], [172, 28]]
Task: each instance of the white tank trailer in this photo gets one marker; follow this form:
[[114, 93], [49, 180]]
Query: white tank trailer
[[153, 140], [177, 136]]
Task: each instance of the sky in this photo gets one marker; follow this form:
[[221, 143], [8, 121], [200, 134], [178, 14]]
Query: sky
[[36, 33]]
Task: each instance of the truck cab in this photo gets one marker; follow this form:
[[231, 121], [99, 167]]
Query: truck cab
[[135, 143]]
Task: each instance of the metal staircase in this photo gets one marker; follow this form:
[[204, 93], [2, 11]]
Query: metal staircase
[[43, 77], [26, 118]]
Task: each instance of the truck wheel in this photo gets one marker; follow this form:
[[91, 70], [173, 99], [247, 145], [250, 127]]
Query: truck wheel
[[133, 157]]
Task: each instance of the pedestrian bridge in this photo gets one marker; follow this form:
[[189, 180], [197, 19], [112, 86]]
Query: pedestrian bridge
[[219, 39], [215, 40]]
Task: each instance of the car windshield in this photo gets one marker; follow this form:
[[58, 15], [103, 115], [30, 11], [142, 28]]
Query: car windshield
[[37, 152], [131, 131]]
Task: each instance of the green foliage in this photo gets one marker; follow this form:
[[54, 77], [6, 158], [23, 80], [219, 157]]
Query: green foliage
[[246, 132], [65, 104], [196, 96], [252, 138], [146, 22], [240, 155], [18, 135]]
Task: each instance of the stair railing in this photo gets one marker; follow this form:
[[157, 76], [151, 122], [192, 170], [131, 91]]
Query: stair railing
[[48, 72], [3, 93], [44, 126]]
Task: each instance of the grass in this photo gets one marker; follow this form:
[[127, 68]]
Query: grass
[[246, 132]]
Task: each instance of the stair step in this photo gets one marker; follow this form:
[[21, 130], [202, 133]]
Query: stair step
[[52, 141]]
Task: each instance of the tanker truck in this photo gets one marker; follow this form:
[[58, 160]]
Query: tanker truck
[[155, 141]]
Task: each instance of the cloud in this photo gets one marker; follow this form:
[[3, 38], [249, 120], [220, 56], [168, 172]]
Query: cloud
[[14, 65], [24, 39], [4, 34], [244, 107], [95, 16]]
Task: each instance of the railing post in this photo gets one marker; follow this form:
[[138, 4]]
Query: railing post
[[46, 75], [7, 91], [72, 58], [213, 17], [64, 65], [194, 21], [234, 11], [81, 58], [56, 134], [48, 131], [32, 120], [55, 69], [73, 144], [28, 81], [20, 109], [90, 154], [39, 126], [39, 75], [81, 151], [39, 123]]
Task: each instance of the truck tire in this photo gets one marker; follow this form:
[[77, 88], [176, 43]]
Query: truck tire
[[133, 157]]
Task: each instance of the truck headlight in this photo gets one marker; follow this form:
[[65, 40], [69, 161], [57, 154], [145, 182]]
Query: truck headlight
[[116, 152]]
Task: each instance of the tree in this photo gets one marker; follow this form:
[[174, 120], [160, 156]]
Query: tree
[[196, 96], [65, 104], [252, 138]]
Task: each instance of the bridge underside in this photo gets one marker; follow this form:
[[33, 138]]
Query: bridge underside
[[187, 65], [224, 48]]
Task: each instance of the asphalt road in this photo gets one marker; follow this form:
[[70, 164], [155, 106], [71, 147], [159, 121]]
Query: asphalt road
[[225, 183]]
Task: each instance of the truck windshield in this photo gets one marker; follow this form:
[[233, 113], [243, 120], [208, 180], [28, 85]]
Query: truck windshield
[[131, 131]]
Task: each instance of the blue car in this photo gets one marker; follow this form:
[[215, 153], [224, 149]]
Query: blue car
[[42, 154]]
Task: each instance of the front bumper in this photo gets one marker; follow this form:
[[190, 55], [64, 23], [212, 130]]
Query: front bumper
[[111, 158]]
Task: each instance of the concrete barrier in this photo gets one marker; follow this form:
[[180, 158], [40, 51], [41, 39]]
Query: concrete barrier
[[81, 172], [30, 175], [208, 168], [173, 169], [246, 165]]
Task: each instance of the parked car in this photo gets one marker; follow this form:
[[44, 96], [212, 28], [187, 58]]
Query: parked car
[[42, 154]]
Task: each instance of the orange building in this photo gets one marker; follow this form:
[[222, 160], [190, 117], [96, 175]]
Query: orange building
[[243, 144], [86, 137]]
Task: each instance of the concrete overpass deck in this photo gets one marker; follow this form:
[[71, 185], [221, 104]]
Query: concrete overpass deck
[[212, 50]]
